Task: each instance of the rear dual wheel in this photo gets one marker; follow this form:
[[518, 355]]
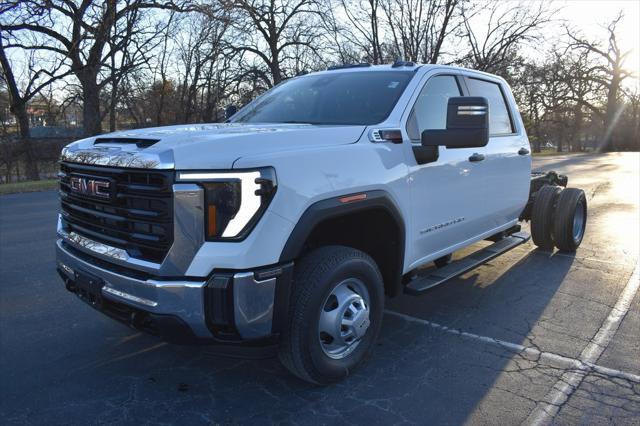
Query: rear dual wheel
[[542, 216], [570, 219], [559, 217]]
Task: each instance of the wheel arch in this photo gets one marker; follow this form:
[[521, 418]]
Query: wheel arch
[[369, 221]]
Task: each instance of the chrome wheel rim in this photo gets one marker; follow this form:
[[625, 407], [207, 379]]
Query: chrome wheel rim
[[344, 318], [578, 222]]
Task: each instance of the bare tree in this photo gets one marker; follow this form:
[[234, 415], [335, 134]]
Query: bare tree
[[132, 43], [341, 45], [609, 74], [160, 72], [270, 30], [420, 27], [578, 71], [79, 32], [39, 73], [199, 51], [495, 48], [529, 91], [366, 27]]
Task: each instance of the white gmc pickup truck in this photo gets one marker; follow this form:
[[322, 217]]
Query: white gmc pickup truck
[[288, 225]]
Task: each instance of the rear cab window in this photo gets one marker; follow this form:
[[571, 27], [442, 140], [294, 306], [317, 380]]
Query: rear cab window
[[500, 120]]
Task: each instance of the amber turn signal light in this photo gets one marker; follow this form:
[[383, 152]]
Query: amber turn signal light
[[211, 221]]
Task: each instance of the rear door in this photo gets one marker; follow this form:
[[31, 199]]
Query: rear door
[[507, 161], [447, 205]]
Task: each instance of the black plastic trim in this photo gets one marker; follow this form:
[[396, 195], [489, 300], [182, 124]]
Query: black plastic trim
[[219, 308], [139, 142], [284, 283], [138, 216], [333, 208], [345, 66]]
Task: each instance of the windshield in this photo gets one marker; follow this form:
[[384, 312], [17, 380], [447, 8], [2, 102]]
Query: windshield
[[329, 98]]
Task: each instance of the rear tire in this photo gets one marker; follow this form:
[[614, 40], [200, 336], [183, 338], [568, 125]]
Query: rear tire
[[542, 216], [338, 289], [570, 219]]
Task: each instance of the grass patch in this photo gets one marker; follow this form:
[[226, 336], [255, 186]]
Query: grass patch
[[28, 186]]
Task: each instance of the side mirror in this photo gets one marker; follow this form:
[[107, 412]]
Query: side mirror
[[467, 124], [229, 111]]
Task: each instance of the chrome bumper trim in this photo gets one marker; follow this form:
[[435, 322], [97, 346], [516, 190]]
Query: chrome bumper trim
[[101, 250], [253, 305], [129, 296], [183, 299]]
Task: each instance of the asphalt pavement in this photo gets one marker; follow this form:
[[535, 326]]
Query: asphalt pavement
[[531, 337]]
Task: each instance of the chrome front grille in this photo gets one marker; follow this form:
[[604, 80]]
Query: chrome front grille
[[136, 217]]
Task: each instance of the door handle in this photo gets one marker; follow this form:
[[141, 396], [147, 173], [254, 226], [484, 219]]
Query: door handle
[[476, 157], [523, 151]]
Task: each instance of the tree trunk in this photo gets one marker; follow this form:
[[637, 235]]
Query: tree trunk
[[536, 124], [159, 120], [18, 106], [31, 163], [112, 107], [536, 131], [606, 144], [576, 138], [276, 73], [560, 140], [92, 123]]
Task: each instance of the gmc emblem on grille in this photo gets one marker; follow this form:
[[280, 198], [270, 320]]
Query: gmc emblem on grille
[[92, 187]]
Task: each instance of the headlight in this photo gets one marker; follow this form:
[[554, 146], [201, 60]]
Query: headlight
[[234, 201]]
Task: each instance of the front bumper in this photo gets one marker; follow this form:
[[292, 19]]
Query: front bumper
[[234, 307]]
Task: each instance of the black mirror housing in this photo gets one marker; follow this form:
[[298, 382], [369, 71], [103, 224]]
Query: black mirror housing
[[467, 124]]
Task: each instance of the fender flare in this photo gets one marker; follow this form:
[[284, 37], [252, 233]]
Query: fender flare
[[332, 208]]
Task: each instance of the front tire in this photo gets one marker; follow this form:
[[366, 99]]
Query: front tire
[[335, 314]]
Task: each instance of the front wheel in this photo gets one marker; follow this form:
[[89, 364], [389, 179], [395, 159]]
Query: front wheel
[[335, 314]]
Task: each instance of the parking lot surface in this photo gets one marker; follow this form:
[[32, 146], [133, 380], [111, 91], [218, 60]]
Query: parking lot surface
[[531, 337]]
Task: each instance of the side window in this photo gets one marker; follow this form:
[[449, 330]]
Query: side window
[[430, 109], [499, 119]]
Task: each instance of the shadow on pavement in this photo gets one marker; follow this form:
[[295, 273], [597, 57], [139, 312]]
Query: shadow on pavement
[[97, 370], [61, 362]]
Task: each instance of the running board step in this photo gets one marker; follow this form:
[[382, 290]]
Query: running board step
[[459, 267]]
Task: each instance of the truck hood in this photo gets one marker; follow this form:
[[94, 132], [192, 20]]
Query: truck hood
[[203, 146]]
